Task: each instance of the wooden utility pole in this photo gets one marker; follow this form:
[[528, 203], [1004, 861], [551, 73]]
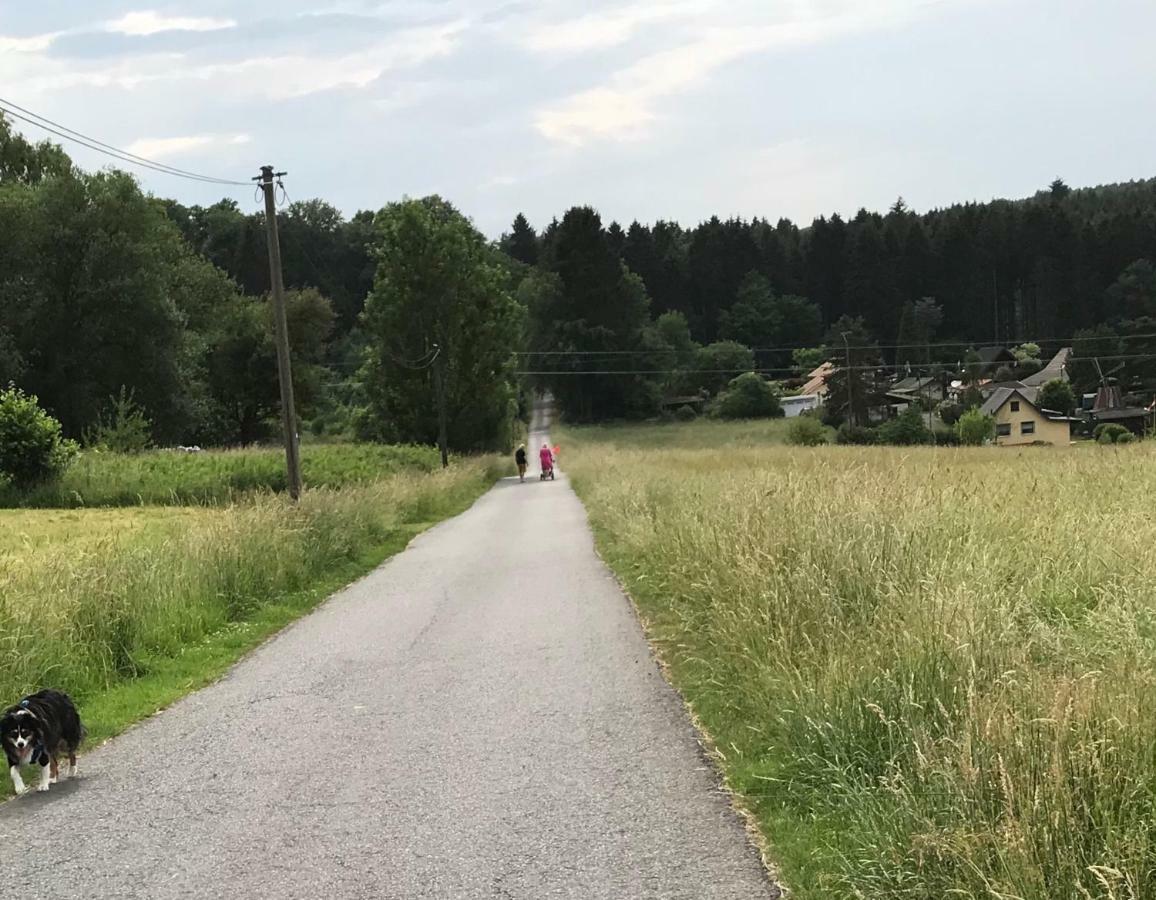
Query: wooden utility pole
[[440, 391], [850, 391], [284, 370]]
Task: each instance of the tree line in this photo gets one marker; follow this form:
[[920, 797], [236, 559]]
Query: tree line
[[107, 292]]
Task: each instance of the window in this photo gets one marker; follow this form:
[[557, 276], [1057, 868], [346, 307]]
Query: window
[[1003, 430], [1015, 406], [1027, 427]]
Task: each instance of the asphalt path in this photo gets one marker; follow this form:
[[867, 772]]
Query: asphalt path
[[479, 717]]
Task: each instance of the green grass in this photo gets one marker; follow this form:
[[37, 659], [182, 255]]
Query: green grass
[[167, 477], [929, 673], [127, 610], [701, 434]]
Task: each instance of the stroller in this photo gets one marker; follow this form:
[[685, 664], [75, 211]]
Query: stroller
[[546, 458]]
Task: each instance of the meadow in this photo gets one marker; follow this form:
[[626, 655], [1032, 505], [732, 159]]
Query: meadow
[[129, 608], [175, 478], [928, 673]]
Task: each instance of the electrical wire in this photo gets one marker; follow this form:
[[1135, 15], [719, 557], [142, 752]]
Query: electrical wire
[[69, 134]]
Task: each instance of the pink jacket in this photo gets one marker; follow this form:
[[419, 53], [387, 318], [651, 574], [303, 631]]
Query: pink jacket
[[546, 457]]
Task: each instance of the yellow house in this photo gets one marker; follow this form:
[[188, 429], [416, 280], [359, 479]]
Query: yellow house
[[1019, 421]]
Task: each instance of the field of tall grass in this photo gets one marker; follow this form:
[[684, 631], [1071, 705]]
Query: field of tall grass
[[126, 609], [215, 476], [929, 673]]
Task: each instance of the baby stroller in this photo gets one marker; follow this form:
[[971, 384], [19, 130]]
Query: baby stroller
[[546, 458]]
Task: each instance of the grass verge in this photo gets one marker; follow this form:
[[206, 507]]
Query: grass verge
[[929, 673], [128, 624], [168, 477]]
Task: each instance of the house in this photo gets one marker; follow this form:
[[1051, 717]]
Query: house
[[817, 381], [927, 387], [1056, 369], [991, 358], [1109, 407], [1019, 421], [794, 406]]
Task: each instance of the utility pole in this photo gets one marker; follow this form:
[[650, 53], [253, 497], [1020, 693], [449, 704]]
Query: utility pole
[[284, 373], [440, 390], [850, 392]]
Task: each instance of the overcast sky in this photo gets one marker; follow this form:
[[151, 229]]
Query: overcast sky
[[645, 109]]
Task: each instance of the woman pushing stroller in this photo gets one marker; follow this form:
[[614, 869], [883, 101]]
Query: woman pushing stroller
[[546, 458]]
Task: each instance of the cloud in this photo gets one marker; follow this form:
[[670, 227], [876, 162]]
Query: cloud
[[623, 108], [37, 43], [158, 148], [600, 30], [146, 22]]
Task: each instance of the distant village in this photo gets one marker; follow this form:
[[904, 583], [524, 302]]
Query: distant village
[[1013, 403]]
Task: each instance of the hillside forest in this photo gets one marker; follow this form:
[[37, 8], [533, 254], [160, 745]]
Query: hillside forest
[[113, 298]]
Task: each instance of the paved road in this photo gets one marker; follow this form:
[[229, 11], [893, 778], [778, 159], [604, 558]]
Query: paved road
[[479, 717]]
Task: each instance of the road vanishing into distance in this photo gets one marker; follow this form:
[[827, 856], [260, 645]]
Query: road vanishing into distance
[[479, 717]]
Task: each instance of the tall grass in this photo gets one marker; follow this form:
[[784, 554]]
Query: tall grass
[[931, 673], [86, 616], [214, 476]]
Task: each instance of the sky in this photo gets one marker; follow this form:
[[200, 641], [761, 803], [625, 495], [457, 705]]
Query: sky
[[644, 109]]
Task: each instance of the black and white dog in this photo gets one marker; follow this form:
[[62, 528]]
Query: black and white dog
[[39, 729]]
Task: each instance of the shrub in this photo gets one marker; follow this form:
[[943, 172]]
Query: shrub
[[854, 434], [906, 429], [946, 437], [685, 414], [749, 396], [974, 428], [122, 428], [1126, 438], [1109, 430], [806, 431], [32, 449]]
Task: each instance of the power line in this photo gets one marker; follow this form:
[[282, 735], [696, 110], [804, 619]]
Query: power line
[[69, 134], [963, 344]]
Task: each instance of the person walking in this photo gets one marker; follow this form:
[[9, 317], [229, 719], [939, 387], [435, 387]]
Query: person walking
[[520, 459]]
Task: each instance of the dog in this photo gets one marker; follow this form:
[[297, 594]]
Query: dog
[[37, 730]]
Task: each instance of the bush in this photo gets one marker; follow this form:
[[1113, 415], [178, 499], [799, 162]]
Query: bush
[[1126, 438], [905, 430], [122, 428], [32, 449], [1109, 430], [971, 398], [806, 431], [974, 428], [946, 437], [749, 396], [685, 414], [858, 435]]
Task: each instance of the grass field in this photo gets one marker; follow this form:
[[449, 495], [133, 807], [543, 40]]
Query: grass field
[[930, 673], [214, 477], [127, 609]]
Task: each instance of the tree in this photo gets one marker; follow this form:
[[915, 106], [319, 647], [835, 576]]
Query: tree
[[851, 388], [522, 241], [1133, 294], [599, 313], [1057, 396], [974, 428], [749, 396], [23, 162], [759, 319], [906, 429], [806, 431], [439, 299], [717, 364], [89, 272]]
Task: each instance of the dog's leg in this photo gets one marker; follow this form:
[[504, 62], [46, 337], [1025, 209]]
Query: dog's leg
[[72, 768], [45, 775], [55, 771], [17, 781]]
